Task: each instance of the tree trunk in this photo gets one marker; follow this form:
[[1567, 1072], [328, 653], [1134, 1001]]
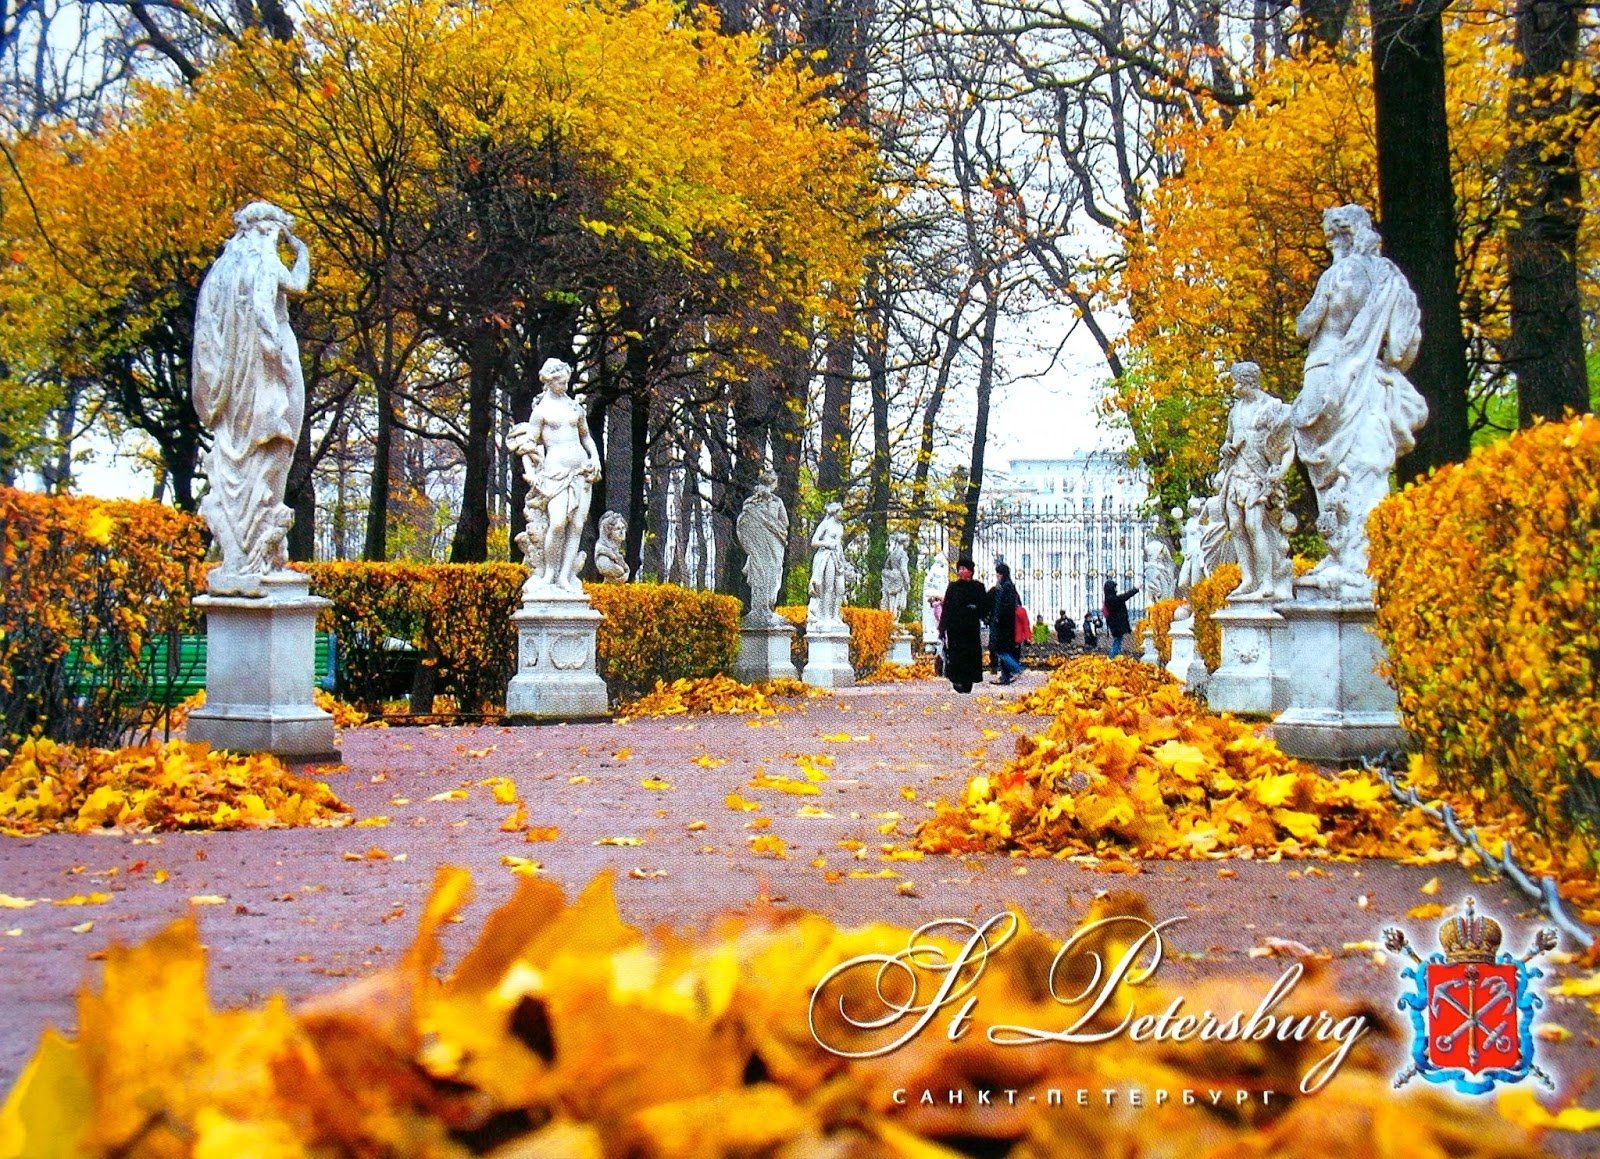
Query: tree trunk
[[833, 459], [877, 360], [980, 429], [470, 544], [300, 494], [376, 547], [653, 552], [1546, 191], [1323, 21], [1416, 210], [638, 473]]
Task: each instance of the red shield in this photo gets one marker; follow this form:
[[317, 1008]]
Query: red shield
[[1473, 1016]]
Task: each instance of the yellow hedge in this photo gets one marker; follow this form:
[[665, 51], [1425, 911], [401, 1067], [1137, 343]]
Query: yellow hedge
[[88, 583], [662, 632], [1157, 623], [459, 617], [1488, 578], [869, 636], [1206, 599]]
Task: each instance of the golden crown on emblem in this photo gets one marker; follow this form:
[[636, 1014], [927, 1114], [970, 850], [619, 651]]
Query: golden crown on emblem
[[1470, 938]]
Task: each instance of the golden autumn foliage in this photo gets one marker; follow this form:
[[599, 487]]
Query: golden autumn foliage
[[1157, 622], [1488, 578], [869, 635], [459, 617], [719, 695], [1228, 250], [1206, 598], [48, 787], [88, 585], [1132, 767], [565, 1032]]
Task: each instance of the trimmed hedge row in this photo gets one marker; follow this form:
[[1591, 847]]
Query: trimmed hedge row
[[1488, 593], [88, 584], [458, 616]]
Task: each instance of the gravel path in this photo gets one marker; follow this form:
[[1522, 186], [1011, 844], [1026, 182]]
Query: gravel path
[[299, 913]]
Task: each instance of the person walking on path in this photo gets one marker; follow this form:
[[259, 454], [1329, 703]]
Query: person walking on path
[[1065, 628], [963, 608], [1116, 613], [1003, 641]]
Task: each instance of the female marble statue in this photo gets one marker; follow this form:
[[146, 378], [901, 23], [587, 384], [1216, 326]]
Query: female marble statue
[[561, 464], [611, 548], [1192, 570], [249, 392], [1159, 581], [1357, 413], [827, 571], [763, 531], [1256, 455], [896, 583]]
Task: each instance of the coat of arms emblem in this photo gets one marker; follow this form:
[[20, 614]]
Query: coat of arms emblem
[[1471, 1009]]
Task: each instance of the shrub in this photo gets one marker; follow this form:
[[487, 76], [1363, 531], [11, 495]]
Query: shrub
[[1206, 599], [458, 616], [869, 636], [662, 632], [1488, 592], [88, 583], [1157, 623]]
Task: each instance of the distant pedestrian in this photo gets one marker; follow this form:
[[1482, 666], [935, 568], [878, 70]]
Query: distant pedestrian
[[1004, 643], [1090, 640], [1066, 629], [964, 606], [1116, 614]]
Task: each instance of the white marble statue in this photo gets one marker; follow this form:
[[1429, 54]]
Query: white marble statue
[[1356, 413], [1192, 569], [611, 548], [763, 531], [828, 578], [1256, 456], [1159, 581], [561, 464], [250, 393], [896, 584], [1216, 546]]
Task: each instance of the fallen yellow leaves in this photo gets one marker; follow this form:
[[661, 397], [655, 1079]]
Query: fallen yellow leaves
[[48, 787], [716, 694], [554, 989], [1132, 767]]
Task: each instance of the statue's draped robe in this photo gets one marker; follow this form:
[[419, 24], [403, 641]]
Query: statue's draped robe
[[763, 531], [249, 391]]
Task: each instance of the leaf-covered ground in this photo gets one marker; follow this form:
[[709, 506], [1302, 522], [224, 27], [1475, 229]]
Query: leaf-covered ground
[[696, 816]]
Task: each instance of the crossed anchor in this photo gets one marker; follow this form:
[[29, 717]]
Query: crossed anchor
[[1494, 1036]]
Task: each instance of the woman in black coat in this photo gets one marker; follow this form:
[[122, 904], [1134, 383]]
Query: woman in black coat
[[1003, 642], [965, 607]]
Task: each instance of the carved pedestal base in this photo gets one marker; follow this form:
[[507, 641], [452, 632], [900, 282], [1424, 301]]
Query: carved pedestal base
[[900, 647], [828, 657], [556, 678], [1248, 683], [1186, 664], [261, 672], [1339, 709], [764, 651]]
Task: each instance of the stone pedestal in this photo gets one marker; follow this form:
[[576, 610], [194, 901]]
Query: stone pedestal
[[764, 651], [900, 647], [556, 678], [1186, 664], [1339, 708], [261, 673], [1248, 683], [828, 657]]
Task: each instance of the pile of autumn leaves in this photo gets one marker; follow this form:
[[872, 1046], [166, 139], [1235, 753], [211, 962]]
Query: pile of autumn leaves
[[47, 787], [1131, 767], [566, 1033]]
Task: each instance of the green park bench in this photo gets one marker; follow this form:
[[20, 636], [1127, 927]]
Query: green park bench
[[166, 677]]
